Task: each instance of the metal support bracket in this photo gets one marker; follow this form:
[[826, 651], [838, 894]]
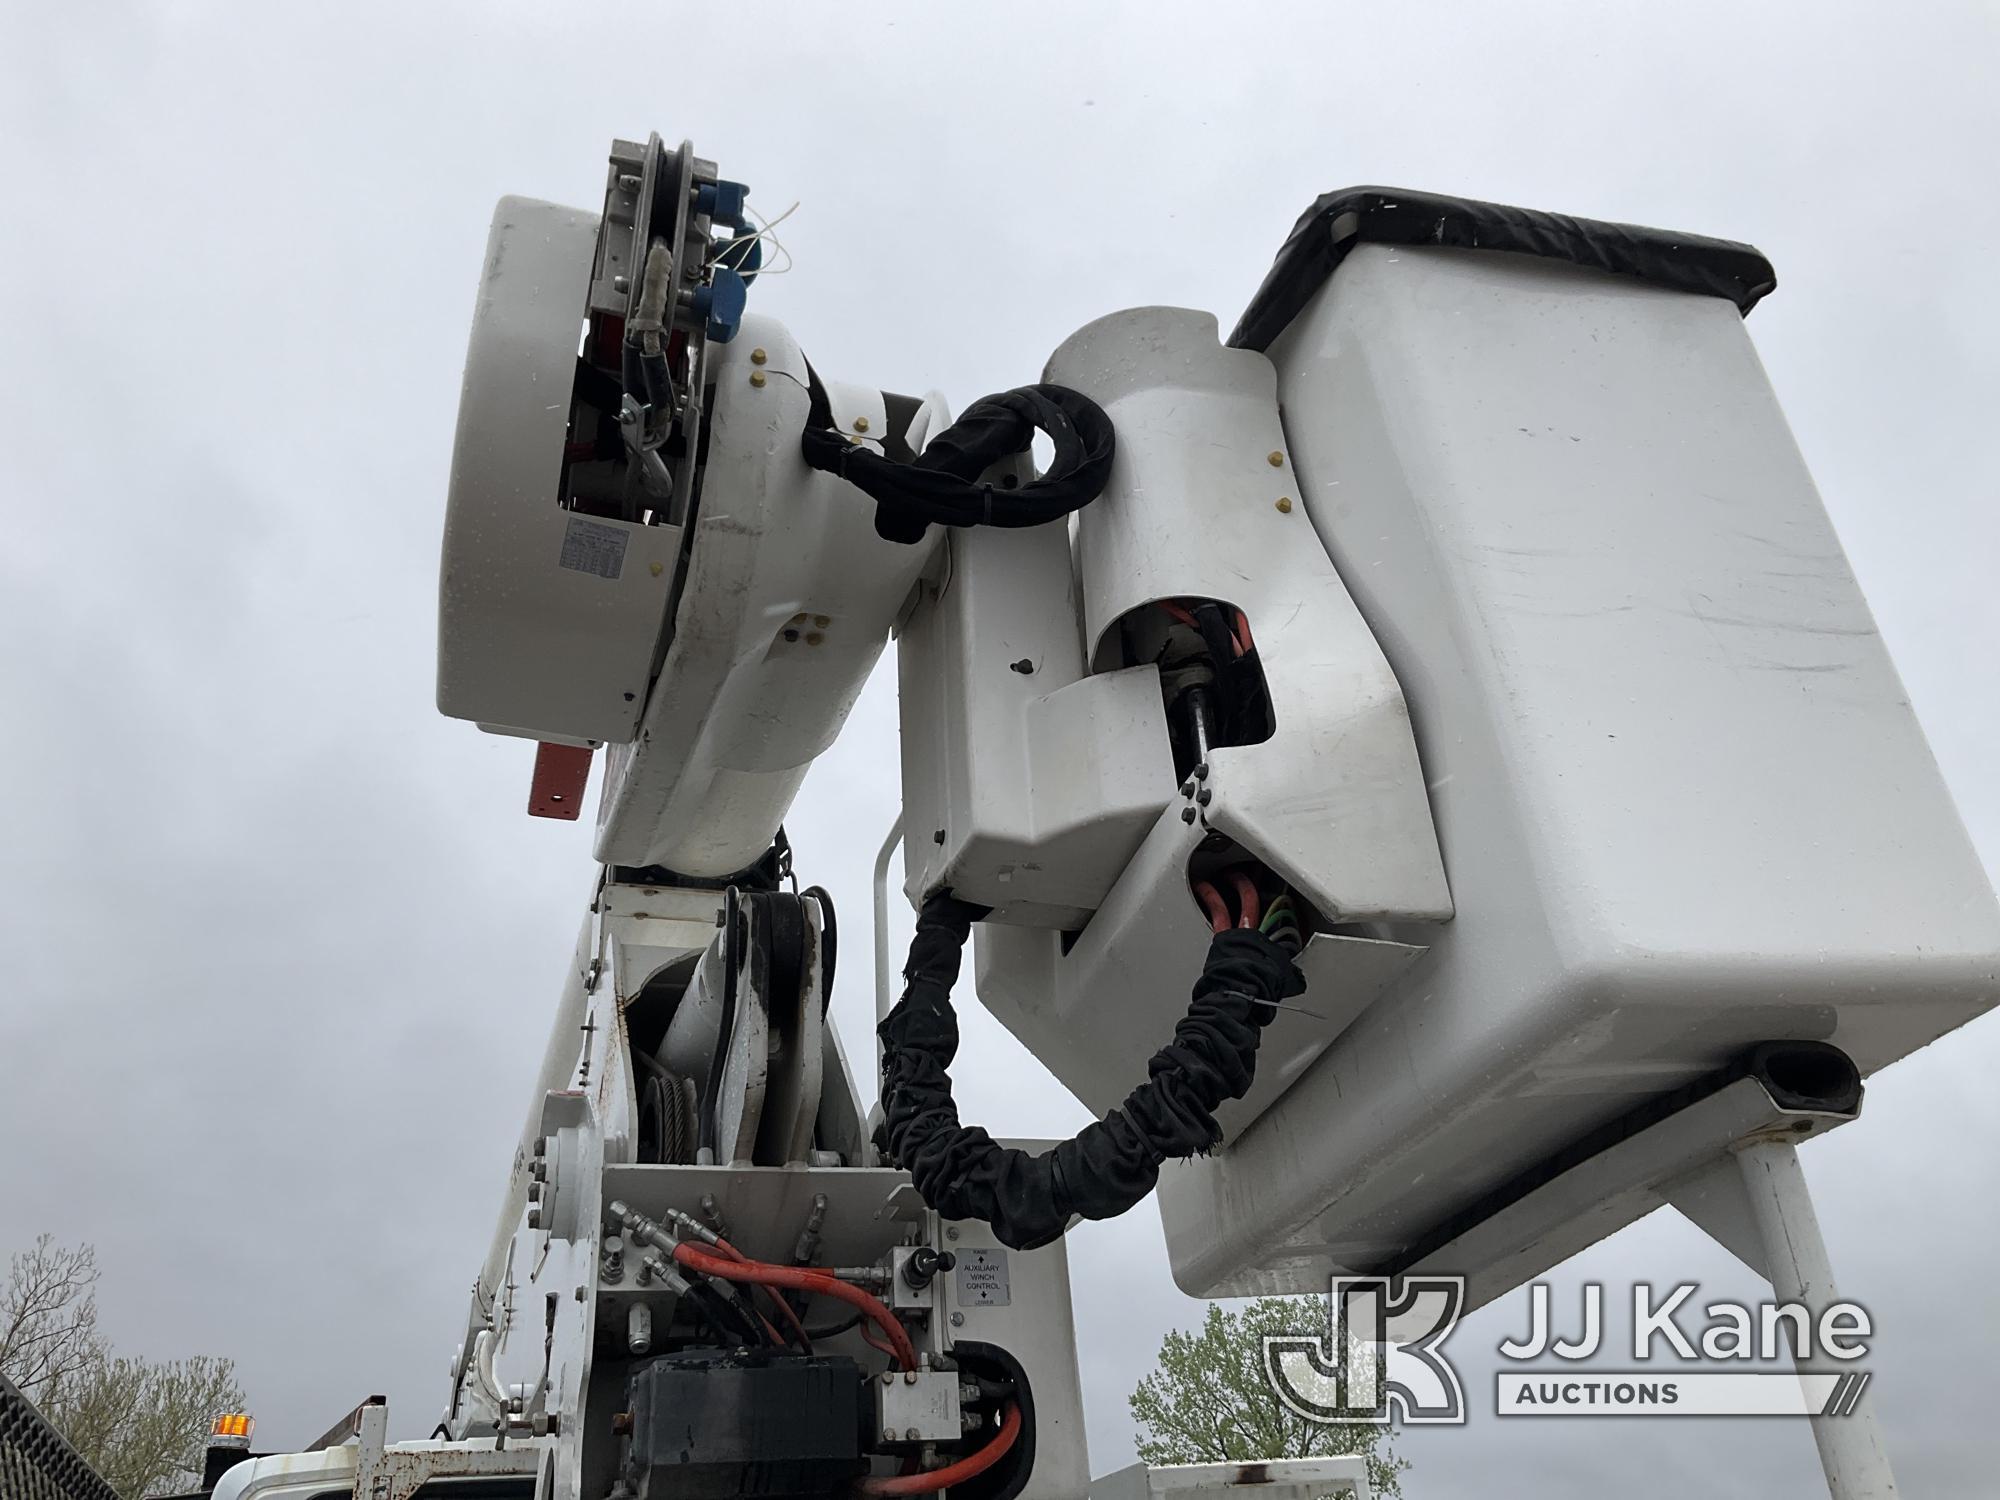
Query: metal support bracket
[[385, 1473]]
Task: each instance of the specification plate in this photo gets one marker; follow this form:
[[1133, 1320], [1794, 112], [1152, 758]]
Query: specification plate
[[593, 547]]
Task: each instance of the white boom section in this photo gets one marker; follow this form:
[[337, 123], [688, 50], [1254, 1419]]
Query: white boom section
[[787, 605], [560, 1283], [547, 620], [715, 652], [1202, 503]]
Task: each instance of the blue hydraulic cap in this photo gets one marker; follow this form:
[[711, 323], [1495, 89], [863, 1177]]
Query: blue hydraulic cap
[[721, 201], [744, 254], [721, 303]]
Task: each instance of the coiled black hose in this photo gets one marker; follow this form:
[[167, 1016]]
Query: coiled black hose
[[942, 483], [1109, 1166]]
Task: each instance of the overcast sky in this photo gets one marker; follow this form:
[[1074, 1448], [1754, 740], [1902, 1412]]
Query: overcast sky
[[279, 944]]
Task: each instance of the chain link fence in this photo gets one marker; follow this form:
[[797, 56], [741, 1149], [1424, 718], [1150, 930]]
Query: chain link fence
[[35, 1462]]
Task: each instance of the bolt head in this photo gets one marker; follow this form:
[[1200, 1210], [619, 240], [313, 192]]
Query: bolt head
[[912, 1434], [1187, 815], [1285, 505], [534, 1218], [888, 1434], [860, 424], [958, 1320], [951, 1231], [1275, 459], [758, 356], [621, 283], [757, 378]]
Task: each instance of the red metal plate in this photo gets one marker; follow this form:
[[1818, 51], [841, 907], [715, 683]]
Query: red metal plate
[[560, 773]]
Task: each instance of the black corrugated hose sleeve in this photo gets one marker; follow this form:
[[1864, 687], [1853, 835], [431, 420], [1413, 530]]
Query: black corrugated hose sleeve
[[1029, 1200], [942, 484]]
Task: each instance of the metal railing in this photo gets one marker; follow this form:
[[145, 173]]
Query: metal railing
[[35, 1461]]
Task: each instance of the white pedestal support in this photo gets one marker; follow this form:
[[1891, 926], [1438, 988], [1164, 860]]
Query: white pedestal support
[[1795, 1261], [1728, 1160]]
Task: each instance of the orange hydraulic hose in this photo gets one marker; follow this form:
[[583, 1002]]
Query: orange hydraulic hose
[[805, 1279], [930, 1480]]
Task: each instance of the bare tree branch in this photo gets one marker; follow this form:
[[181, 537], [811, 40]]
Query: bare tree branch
[[48, 1317], [141, 1425]]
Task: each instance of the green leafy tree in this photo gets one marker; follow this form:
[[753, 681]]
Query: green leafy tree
[[141, 1425], [1210, 1402]]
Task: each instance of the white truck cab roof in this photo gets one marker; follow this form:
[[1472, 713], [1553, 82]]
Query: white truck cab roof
[[328, 1474]]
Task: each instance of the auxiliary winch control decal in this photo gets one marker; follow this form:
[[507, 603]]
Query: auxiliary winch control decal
[[982, 1278]]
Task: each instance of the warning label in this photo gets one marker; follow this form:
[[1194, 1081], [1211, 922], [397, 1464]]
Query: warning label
[[593, 547], [982, 1278]]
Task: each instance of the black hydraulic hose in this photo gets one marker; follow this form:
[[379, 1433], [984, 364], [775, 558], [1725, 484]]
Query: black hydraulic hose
[[731, 1322], [1029, 1200], [829, 942], [834, 1330], [942, 484]]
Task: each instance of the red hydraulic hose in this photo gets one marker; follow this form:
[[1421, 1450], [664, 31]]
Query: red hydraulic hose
[[931, 1480], [805, 1279], [1211, 901], [1246, 899]]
